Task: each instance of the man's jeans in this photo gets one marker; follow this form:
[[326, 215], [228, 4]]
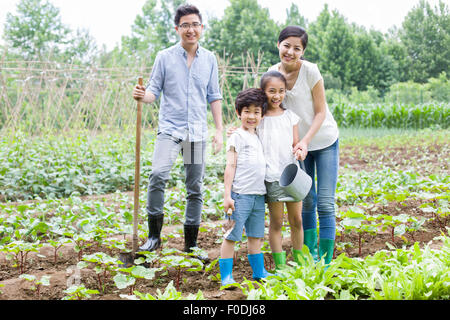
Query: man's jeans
[[165, 153], [325, 162]]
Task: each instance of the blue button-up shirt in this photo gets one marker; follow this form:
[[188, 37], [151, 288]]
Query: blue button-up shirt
[[185, 91]]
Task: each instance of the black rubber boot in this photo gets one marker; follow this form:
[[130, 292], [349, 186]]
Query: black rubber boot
[[190, 241], [154, 234]]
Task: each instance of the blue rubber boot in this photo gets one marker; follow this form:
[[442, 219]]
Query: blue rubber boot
[[257, 264], [226, 269]]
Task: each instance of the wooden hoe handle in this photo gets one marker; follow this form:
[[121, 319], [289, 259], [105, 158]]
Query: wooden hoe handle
[[137, 171]]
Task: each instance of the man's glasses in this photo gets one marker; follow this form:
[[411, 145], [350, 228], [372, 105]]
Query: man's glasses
[[186, 26]]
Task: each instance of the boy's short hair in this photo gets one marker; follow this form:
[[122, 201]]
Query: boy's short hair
[[184, 10], [252, 96]]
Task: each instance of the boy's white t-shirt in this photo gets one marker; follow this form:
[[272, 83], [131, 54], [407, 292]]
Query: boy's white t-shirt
[[277, 136], [251, 163], [299, 99]]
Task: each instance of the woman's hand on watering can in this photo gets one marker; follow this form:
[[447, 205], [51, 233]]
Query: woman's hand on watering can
[[301, 150]]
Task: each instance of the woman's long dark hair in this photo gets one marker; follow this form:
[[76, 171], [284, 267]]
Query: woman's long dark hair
[[294, 31]]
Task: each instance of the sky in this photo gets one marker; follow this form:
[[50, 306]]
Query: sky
[[108, 20]]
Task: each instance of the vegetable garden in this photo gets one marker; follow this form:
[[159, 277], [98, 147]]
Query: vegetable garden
[[66, 213], [67, 159]]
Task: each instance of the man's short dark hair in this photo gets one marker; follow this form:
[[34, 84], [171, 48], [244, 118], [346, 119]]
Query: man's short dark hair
[[252, 96], [184, 10]]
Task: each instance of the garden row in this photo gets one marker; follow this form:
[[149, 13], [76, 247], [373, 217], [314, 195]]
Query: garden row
[[414, 116]]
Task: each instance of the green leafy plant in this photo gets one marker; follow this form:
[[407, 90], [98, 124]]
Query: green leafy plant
[[356, 220], [170, 293], [57, 244], [180, 262], [36, 284], [78, 292], [105, 266], [18, 251], [81, 241], [127, 276]]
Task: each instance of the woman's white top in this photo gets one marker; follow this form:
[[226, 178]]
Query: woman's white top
[[300, 100], [251, 163], [277, 136]]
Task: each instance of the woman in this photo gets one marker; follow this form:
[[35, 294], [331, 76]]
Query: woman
[[318, 133]]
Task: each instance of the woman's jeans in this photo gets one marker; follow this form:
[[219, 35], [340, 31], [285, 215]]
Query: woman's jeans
[[324, 163], [165, 153]]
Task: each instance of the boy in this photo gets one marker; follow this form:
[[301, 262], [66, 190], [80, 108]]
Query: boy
[[244, 186], [187, 74]]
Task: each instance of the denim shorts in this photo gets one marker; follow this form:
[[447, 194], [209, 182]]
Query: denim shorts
[[249, 213]]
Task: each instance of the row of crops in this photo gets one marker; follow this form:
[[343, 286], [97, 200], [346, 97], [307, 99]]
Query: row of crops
[[414, 116]]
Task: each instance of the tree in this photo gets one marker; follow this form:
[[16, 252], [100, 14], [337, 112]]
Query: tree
[[337, 56], [426, 36], [245, 28], [316, 33], [152, 31], [393, 49], [294, 18], [367, 58], [36, 30]]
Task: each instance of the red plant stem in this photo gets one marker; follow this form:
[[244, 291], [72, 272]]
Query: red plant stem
[[360, 245], [56, 249], [19, 261], [99, 282], [178, 278], [131, 289]]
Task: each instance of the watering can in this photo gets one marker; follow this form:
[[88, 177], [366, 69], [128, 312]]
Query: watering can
[[295, 182]]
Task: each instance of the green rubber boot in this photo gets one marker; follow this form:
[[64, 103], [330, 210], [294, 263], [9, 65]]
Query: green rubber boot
[[326, 247], [297, 254], [280, 259], [310, 240]]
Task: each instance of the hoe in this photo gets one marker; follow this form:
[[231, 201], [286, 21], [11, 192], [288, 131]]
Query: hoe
[[127, 258]]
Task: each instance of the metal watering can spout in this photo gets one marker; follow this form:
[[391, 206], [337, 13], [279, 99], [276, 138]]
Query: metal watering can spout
[[295, 182]]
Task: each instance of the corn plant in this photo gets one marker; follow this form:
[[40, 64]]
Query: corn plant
[[391, 115]]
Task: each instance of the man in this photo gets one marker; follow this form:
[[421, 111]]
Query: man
[[187, 75]]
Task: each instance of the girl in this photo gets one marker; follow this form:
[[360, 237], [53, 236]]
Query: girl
[[278, 132], [318, 133]]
